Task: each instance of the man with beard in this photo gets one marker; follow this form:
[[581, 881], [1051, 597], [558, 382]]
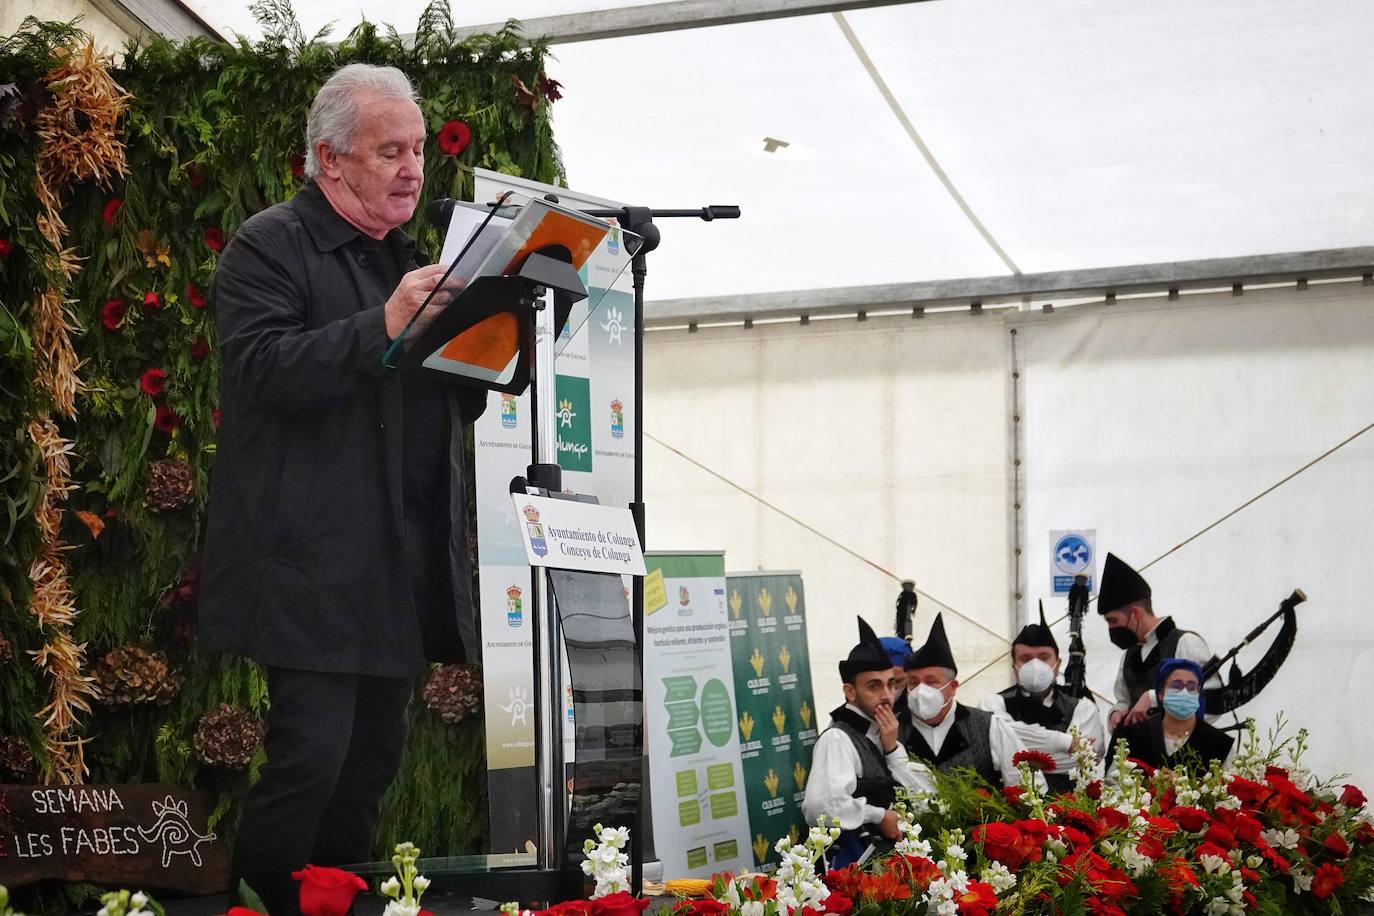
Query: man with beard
[[1041, 713], [858, 763]]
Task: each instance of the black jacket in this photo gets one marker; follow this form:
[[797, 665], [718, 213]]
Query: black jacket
[[305, 560], [1146, 742]]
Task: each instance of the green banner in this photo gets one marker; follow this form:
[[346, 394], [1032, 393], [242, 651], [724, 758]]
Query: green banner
[[775, 707]]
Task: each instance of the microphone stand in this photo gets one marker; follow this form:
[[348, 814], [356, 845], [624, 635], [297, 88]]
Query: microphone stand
[[1076, 677]]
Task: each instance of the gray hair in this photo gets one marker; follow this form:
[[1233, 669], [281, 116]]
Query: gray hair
[[333, 117]]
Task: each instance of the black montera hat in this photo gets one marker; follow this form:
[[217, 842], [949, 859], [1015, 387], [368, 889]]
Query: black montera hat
[[1120, 586], [868, 655], [1036, 634], [935, 653]]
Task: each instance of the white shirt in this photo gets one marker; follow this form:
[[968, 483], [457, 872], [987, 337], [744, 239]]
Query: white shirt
[[1190, 646], [835, 767], [1002, 740], [1055, 743]]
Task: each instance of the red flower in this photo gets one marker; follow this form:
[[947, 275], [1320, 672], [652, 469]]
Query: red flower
[[1112, 819], [327, 891], [548, 88], [242, 911], [1276, 861], [194, 296], [1326, 880], [838, 904], [194, 174], [6, 246], [454, 137], [999, 842], [913, 870], [845, 880], [1210, 849], [1013, 794], [214, 238], [1190, 819], [617, 904], [200, 349], [1148, 770], [1094, 789], [166, 421], [1075, 838], [977, 899], [152, 302], [1036, 760], [884, 888], [214, 417], [112, 313], [1250, 793], [153, 382], [1221, 836], [111, 211], [1352, 797], [1364, 833], [1272, 770], [298, 165], [1337, 844]]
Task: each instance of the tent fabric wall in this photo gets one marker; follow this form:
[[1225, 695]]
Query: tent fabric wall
[[1146, 420], [887, 435], [1149, 422]]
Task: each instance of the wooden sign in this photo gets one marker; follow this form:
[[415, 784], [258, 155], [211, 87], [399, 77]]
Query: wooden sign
[[140, 837]]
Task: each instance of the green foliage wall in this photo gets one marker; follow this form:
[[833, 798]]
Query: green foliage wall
[[214, 132]]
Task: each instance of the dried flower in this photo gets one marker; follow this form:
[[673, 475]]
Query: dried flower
[[170, 485], [16, 760], [228, 738], [454, 692], [131, 674]]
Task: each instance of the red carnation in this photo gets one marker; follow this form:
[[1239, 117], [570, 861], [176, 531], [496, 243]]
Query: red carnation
[[6, 246], [1326, 880], [1036, 760], [1337, 844], [1190, 819], [193, 174], [1075, 838], [195, 296], [838, 904], [200, 349], [1352, 797], [1220, 835], [1250, 793], [214, 238], [152, 302], [167, 420], [327, 891], [1094, 789], [1211, 849], [298, 165], [1112, 819], [111, 211], [1013, 794], [153, 382], [112, 313], [454, 137]]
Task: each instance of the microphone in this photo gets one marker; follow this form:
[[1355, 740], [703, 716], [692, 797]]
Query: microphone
[[439, 212]]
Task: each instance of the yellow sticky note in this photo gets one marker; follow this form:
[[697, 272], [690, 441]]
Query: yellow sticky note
[[655, 592]]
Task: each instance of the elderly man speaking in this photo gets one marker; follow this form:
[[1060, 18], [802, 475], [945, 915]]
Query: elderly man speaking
[[336, 553]]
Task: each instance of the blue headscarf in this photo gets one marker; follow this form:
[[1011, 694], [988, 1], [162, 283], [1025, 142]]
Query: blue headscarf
[[897, 649], [1169, 666]]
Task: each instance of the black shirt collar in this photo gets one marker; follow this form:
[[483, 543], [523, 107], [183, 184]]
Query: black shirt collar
[[330, 230]]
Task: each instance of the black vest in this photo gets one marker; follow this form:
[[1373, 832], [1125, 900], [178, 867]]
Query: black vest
[[1140, 672], [967, 745], [873, 783], [1057, 716], [1146, 742]]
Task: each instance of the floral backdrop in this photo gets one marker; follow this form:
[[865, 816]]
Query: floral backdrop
[[120, 183]]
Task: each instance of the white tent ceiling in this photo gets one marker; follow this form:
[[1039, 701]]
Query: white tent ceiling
[[1079, 133]]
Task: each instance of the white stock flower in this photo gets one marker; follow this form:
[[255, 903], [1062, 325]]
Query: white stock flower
[[1302, 881], [999, 876], [401, 908], [139, 900], [751, 908], [421, 883], [391, 887]]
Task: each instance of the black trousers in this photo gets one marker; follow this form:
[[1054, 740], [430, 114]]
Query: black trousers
[[334, 743]]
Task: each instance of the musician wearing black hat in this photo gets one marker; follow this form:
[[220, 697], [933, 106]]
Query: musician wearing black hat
[[949, 735], [1125, 600], [858, 763], [1042, 713]]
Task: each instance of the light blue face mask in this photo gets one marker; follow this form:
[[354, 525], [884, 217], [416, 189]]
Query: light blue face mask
[[1180, 704]]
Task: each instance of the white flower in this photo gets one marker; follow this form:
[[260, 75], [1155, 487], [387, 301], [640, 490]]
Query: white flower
[[391, 887], [139, 900], [955, 853], [401, 908], [751, 908], [421, 883], [999, 876], [1302, 881]]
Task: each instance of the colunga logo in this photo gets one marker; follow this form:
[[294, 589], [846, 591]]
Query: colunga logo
[[535, 529], [617, 419], [510, 418], [515, 610]]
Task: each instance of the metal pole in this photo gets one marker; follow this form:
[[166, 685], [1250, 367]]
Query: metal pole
[[548, 698]]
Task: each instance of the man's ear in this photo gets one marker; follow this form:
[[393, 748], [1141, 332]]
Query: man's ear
[[849, 693], [327, 158]]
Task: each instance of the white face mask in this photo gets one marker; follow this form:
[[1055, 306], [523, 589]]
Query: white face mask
[[1035, 676], [926, 702]]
